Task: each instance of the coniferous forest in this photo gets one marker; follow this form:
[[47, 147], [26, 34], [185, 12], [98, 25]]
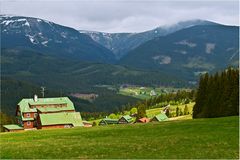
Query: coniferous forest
[[218, 95]]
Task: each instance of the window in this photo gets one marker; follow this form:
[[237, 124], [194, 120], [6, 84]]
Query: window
[[28, 123], [28, 114]]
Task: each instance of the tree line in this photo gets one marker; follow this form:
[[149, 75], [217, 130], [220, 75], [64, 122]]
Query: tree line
[[218, 95]]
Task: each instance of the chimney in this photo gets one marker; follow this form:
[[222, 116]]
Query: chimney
[[35, 98]]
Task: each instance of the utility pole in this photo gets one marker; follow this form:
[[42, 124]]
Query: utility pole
[[43, 90]]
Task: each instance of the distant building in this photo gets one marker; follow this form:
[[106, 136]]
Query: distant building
[[143, 120], [107, 121], [87, 124], [39, 113], [125, 119], [160, 117], [153, 93]]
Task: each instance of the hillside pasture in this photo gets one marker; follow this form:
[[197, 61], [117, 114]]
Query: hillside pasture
[[152, 112], [184, 139]]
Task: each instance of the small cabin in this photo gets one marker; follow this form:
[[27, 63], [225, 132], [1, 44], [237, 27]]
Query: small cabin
[[125, 119], [160, 117], [107, 121]]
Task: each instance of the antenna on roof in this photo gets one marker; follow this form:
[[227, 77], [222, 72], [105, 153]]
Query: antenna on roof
[[43, 90]]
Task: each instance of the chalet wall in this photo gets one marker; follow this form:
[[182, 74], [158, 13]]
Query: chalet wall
[[26, 126], [31, 115], [13, 130], [55, 126], [56, 111], [122, 121]]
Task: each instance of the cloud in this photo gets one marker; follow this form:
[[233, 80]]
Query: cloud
[[122, 15]]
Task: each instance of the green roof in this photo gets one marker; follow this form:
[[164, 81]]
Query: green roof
[[128, 118], [12, 127], [73, 118], [51, 109], [108, 121], [25, 103], [161, 117]]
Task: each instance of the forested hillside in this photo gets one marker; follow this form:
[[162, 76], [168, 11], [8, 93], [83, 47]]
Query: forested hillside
[[218, 95]]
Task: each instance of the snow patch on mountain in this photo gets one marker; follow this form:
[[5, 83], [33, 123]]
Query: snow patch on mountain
[[6, 22], [186, 43], [44, 43], [31, 38], [181, 51], [162, 59], [210, 47]]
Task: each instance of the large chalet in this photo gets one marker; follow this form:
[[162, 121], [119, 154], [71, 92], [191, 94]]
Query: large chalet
[[40, 113]]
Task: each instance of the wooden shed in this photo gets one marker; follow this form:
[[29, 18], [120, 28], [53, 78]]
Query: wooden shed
[[160, 117], [12, 128], [107, 121], [125, 119]]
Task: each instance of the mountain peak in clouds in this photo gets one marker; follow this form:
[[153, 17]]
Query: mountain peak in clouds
[[121, 43]]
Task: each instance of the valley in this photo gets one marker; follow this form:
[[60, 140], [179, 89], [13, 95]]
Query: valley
[[36, 52], [106, 79]]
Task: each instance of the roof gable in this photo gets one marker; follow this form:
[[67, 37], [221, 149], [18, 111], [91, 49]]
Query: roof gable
[[24, 104], [73, 118], [127, 118], [161, 117]]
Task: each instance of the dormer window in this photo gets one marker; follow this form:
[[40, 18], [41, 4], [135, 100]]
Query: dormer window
[[28, 114], [28, 123]]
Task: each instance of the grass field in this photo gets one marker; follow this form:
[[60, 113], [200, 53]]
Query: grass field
[[201, 138]]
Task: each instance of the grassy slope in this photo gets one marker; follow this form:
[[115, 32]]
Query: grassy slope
[[201, 138], [152, 112]]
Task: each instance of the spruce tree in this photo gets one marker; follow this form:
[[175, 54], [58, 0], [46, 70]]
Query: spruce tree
[[177, 112], [186, 112]]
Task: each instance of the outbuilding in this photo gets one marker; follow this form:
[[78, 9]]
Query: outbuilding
[[143, 120], [107, 121], [125, 119], [12, 128], [160, 117]]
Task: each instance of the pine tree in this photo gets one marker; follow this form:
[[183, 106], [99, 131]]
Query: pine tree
[[186, 112], [177, 112], [167, 113], [141, 112], [217, 95]]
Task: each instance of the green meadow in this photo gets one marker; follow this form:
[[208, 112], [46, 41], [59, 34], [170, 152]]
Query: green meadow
[[193, 138]]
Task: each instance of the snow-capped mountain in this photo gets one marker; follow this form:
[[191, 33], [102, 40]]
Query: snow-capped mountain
[[44, 36], [121, 43]]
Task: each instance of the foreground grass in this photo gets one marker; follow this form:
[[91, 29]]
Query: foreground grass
[[201, 138]]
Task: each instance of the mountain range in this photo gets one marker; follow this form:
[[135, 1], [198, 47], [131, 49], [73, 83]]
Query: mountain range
[[44, 36], [40, 52], [121, 43]]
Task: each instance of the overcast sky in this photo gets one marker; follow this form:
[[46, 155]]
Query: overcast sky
[[123, 16]]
